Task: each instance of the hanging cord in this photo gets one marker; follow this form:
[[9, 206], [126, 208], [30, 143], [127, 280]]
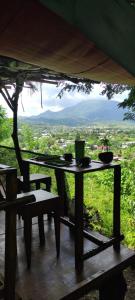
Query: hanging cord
[[22, 103], [2, 187], [41, 94]]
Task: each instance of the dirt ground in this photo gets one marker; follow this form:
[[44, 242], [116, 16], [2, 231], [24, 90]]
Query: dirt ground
[[129, 275]]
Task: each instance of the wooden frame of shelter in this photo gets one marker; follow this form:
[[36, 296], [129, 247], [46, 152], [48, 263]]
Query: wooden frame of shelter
[[75, 47]]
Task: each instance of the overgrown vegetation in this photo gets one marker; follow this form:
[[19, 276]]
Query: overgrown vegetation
[[98, 195]]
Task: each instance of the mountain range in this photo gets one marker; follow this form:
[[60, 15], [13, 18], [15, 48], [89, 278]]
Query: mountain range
[[83, 113]]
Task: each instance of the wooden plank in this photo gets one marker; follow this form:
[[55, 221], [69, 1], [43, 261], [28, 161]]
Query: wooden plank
[[54, 279], [104, 246]]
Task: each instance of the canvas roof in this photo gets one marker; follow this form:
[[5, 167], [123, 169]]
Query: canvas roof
[[86, 39]]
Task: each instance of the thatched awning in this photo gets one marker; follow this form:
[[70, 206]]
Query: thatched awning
[[88, 43]]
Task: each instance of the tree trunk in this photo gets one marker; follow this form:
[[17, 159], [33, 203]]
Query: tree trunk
[[12, 102], [16, 141], [15, 98]]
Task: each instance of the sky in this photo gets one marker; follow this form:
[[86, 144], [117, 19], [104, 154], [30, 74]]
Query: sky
[[32, 101]]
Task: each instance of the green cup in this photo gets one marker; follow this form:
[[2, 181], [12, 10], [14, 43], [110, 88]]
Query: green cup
[[79, 150]]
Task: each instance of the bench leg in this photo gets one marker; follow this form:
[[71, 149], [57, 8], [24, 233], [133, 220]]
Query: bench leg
[[27, 238], [41, 230], [49, 217], [57, 233], [48, 189], [114, 289], [37, 185]]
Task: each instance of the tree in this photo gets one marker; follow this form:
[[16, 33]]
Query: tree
[[4, 124], [2, 118], [111, 89], [18, 75], [130, 104], [12, 102], [2, 114]]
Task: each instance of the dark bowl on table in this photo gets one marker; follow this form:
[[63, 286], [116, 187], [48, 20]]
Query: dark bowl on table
[[106, 157], [85, 161], [68, 157]]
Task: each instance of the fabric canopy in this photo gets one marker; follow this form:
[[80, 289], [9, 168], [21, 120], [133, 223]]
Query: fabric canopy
[[85, 39], [109, 24]]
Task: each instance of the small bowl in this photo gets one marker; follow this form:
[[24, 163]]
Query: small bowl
[[68, 156], [106, 157], [85, 161]]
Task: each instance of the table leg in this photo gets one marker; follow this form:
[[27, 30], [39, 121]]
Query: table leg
[[28, 238], [78, 221], [26, 176], [116, 207], [113, 289]]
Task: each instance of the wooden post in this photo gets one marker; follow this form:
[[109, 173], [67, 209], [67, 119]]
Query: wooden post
[[113, 289], [10, 237], [116, 207], [79, 221]]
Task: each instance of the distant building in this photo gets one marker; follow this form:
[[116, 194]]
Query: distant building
[[127, 144]]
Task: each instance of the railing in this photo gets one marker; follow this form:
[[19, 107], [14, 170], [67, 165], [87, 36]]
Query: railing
[[8, 157], [22, 150]]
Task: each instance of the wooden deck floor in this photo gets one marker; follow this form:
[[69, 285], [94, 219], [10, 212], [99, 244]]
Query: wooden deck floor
[[50, 279]]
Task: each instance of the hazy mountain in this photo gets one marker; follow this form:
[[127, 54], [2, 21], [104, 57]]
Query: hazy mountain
[[83, 113]]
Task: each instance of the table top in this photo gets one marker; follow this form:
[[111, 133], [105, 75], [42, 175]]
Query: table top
[[4, 169], [72, 167], [4, 166]]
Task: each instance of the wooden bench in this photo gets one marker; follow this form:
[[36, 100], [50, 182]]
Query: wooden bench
[[36, 179]]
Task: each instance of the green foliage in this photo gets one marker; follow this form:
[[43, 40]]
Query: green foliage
[[111, 89], [105, 143], [98, 186], [130, 104], [5, 125], [85, 87], [2, 114], [26, 137]]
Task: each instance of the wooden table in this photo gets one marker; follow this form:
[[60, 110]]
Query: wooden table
[[99, 244]]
